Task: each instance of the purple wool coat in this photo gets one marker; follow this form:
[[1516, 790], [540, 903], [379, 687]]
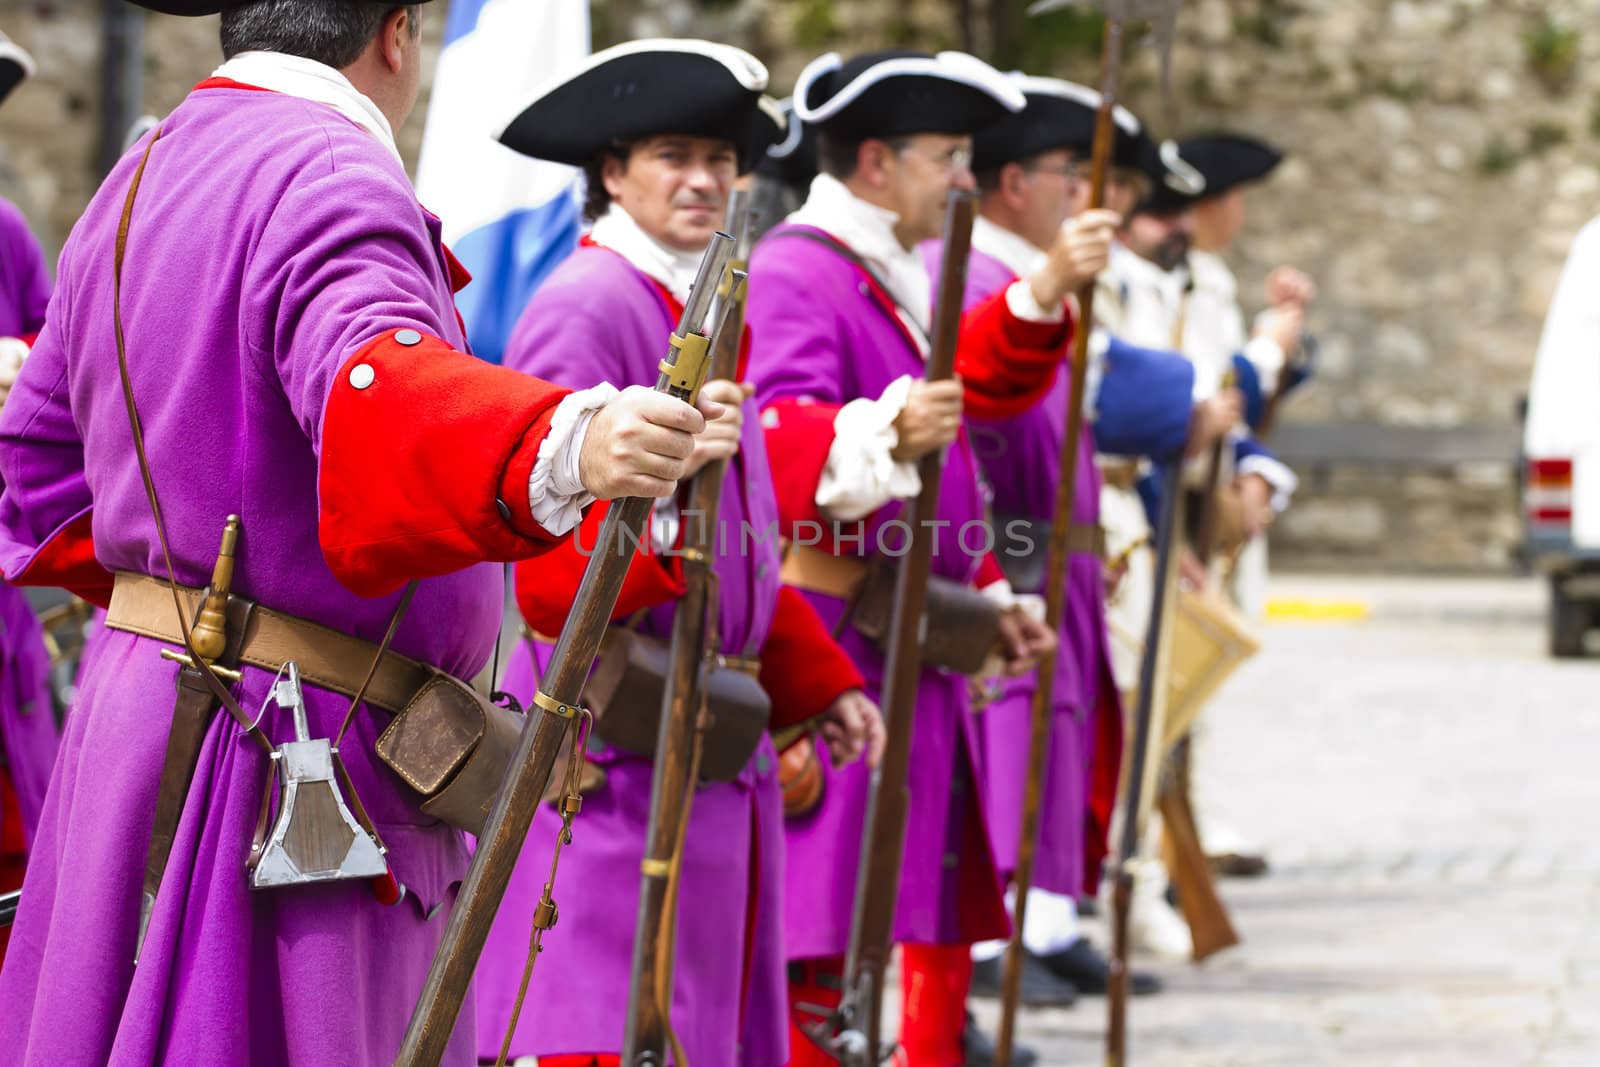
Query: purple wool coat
[[821, 335], [24, 282], [1021, 457], [599, 319], [27, 720], [27, 723], [272, 239]]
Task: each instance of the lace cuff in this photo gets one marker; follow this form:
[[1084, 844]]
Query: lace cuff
[[556, 495], [861, 474]]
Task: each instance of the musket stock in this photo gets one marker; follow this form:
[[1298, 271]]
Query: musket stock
[[555, 711], [679, 741], [855, 1036]]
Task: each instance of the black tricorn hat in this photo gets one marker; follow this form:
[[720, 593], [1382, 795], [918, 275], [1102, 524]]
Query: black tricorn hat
[[647, 88], [793, 159], [16, 66], [900, 92], [195, 8], [1229, 160], [769, 125], [1180, 187], [1062, 114]]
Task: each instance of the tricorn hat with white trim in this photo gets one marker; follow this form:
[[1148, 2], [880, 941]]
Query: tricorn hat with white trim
[[899, 93], [1061, 114], [1228, 160], [647, 88], [16, 66], [793, 159]]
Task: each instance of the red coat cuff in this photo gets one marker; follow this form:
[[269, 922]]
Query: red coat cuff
[[422, 449], [799, 437], [989, 572], [547, 586], [802, 666], [1008, 364], [67, 561]]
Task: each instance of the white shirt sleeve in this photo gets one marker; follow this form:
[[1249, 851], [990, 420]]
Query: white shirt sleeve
[[1266, 355], [556, 495], [861, 474], [1282, 480], [1023, 304]]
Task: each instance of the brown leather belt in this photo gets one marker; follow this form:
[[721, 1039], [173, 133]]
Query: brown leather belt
[[327, 658]]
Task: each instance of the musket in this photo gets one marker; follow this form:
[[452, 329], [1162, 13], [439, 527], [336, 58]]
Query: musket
[[1055, 575], [1210, 927], [683, 720], [853, 1033], [8, 906], [1143, 760], [555, 713]]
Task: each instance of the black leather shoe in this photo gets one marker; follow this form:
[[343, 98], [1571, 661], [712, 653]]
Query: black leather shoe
[[1238, 865], [1081, 964], [977, 1049], [1040, 988]]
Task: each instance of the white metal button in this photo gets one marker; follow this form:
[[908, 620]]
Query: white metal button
[[361, 375], [408, 338]]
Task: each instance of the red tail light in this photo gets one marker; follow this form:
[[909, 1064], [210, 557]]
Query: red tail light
[[1548, 500]]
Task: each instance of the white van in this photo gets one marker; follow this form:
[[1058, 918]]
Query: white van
[[1561, 445]]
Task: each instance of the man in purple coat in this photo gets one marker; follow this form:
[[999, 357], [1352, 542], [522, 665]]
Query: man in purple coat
[[658, 184], [296, 361], [27, 724], [1031, 169], [841, 310]]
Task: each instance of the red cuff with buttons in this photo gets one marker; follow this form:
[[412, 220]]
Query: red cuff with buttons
[[425, 460]]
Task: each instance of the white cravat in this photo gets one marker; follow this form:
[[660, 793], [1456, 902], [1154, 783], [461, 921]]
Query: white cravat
[[869, 232], [310, 80], [676, 270], [1021, 257]]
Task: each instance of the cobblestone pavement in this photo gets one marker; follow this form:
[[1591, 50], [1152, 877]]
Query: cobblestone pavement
[[1424, 783]]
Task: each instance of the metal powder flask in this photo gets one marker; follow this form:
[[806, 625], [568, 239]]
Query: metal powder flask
[[314, 838]]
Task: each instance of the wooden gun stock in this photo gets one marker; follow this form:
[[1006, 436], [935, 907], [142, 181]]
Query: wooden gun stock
[[1209, 925], [556, 711]]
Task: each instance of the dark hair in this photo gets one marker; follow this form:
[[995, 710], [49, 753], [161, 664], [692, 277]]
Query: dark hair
[[596, 200], [838, 153], [335, 34]]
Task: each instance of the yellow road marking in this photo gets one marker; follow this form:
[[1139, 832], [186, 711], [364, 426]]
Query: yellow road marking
[[1308, 609]]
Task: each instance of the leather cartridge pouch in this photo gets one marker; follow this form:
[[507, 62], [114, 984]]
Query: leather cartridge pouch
[[625, 694], [452, 746], [963, 625]]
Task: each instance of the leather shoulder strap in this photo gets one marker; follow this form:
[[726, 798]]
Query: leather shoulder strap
[[212, 682], [843, 251]]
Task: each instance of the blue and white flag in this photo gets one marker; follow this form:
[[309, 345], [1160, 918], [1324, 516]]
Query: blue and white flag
[[508, 218]]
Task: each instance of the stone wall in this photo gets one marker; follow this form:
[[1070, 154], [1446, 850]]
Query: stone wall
[[1444, 152]]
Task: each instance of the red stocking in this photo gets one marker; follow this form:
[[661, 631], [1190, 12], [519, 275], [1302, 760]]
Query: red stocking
[[934, 980]]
